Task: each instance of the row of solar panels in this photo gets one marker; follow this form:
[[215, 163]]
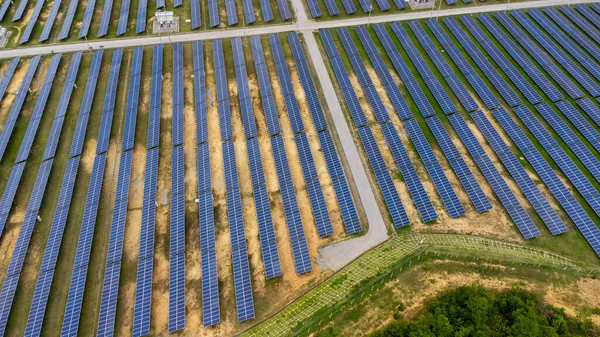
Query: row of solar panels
[[350, 8]]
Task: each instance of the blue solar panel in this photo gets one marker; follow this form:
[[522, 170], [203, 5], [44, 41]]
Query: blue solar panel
[[32, 21], [105, 20], [160, 4], [460, 167], [87, 18], [313, 6], [483, 63], [38, 111], [581, 22], [149, 205], [86, 105], [350, 98], [213, 13], [573, 32], [284, 10], [7, 76], [222, 91], [143, 297], [521, 177], [200, 94], [177, 121], [332, 8], [123, 17], [431, 81], [50, 20], [243, 288], [210, 288], [17, 104], [264, 84], [286, 84], [496, 181], [230, 8], [248, 11], [109, 102], [8, 195], [132, 100], [66, 27], [154, 108], [9, 288], [196, 14], [177, 214], [4, 8], [504, 64], [108, 302], [177, 293], [590, 109], [350, 8], [587, 130], [244, 96], [140, 25], [589, 14], [38, 305], [20, 10], [384, 180]]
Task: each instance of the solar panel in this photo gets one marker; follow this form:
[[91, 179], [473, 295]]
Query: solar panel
[[248, 11], [140, 25], [431, 81], [66, 27], [210, 288], [313, 7], [196, 14], [287, 87], [105, 20], [177, 214], [108, 302], [521, 177], [4, 8], [244, 96], [154, 108], [87, 18], [177, 124], [8, 74], [573, 32], [177, 293], [587, 130], [213, 13], [493, 177], [38, 306], [109, 103], [350, 98], [590, 109], [86, 105], [17, 104], [222, 91], [8, 195], [581, 22], [9, 287], [38, 111], [132, 100], [32, 20], [589, 14], [264, 84], [123, 17], [143, 297], [230, 8], [20, 10]]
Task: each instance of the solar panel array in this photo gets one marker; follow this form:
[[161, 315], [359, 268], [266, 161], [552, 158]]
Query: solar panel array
[[177, 214], [493, 177], [140, 25], [123, 17], [521, 177], [264, 85], [347, 207], [109, 102], [143, 286], [222, 91], [105, 20], [87, 18], [66, 27], [384, 180], [49, 21], [530, 93], [525, 63], [210, 284], [213, 13], [431, 81], [4, 8], [586, 11], [573, 32], [20, 10], [573, 69], [244, 96], [538, 55], [230, 7], [196, 14], [551, 179], [485, 65], [248, 11], [588, 132], [132, 100], [32, 20], [7, 76], [466, 69], [15, 110], [590, 109], [433, 167]]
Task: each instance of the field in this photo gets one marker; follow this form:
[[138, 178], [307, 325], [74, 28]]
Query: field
[[574, 164]]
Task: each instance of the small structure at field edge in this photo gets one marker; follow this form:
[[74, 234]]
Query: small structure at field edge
[[165, 22]]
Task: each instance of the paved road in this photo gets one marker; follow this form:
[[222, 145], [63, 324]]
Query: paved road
[[302, 24], [338, 255]]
